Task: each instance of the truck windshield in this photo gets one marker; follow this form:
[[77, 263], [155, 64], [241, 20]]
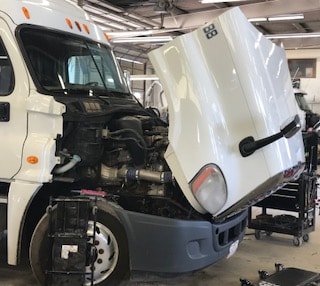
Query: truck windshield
[[65, 63]]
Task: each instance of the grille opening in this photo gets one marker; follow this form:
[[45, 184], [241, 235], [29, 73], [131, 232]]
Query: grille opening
[[231, 234]]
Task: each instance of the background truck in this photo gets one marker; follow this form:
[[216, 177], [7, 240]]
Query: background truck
[[309, 119], [94, 185]]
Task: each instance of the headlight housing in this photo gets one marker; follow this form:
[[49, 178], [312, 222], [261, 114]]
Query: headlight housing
[[209, 188]]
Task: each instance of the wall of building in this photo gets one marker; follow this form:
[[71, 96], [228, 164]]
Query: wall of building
[[310, 85]]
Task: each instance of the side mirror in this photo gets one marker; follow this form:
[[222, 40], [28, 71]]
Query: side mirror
[[127, 77], [249, 145], [316, 128]]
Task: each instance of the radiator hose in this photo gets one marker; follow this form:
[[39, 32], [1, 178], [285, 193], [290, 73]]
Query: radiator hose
[[74, 161]]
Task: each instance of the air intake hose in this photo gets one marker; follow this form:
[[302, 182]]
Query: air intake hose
[[142, 174]]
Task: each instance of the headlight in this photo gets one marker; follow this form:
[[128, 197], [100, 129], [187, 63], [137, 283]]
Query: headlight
[[209, 188]]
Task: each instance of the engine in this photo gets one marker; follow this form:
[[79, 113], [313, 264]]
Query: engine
[[120, 151], [133, 151], [117, 146]]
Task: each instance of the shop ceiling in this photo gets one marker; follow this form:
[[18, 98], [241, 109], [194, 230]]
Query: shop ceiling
[[137, 27]]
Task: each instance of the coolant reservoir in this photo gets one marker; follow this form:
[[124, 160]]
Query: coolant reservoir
[[226, 82]]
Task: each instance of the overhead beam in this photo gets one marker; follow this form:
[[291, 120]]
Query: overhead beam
[[126, 17], [299, 43], [105, 7], [263, 9]]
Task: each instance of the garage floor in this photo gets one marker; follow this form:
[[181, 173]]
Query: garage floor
[[251, 256]]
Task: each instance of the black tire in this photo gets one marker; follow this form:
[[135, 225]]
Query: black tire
[[297, 241], [112, 261], [257, 234], [306, 237]]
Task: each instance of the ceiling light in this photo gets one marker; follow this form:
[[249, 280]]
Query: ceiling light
[[128, 60], [286, 17], [278, 18], [260, 19], [144, 77], [293, 36], [156, 39], [128, 34], [218, 1], [146, 32]]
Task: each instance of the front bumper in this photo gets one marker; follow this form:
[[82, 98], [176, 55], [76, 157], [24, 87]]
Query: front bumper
[[165, 245]]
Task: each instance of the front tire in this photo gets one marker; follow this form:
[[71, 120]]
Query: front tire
[[110, 252]]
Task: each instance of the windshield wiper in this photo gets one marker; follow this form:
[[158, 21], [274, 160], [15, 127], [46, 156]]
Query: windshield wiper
[[69, 90], [80, 91]]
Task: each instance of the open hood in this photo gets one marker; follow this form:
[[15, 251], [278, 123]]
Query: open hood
[[226, 83]]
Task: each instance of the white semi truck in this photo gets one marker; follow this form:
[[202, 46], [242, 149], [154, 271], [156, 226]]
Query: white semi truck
[[94, 185]]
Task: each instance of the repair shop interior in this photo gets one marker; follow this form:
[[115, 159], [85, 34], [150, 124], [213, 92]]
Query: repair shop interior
[[160, 142]]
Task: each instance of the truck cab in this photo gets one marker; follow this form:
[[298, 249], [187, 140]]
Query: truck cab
[[309, 119], [95, 184]]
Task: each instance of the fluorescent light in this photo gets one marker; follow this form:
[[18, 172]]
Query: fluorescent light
[[260, 19], [278, 18], [128, 34], [144, 77], [156, 39], [286, 17], [293, 36], [218, 1], [128, 60]]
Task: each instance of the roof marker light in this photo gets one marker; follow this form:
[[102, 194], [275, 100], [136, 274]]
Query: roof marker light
[[26, 12], [69, 23], [86, 28], [107, 36], [78, 26]]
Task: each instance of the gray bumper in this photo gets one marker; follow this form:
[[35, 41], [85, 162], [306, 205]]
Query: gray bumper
[[159, 244]]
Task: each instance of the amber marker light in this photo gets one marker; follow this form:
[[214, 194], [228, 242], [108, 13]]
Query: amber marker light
[[107, 37], [78, 26], [26, 12], [86, 28], [32, 160], [69, 23]]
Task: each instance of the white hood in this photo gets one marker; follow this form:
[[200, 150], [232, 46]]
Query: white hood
[[225, 82]]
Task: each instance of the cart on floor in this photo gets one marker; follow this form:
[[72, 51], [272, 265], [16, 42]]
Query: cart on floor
[[283, 276], [297, 199]]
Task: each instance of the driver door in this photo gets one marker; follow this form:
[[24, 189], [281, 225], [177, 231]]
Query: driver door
[[13, 92]]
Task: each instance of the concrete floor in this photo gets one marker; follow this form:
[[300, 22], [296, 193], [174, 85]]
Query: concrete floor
[[252, 255]]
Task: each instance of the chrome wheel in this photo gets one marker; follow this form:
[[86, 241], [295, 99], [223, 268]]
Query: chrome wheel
[[108, 254], [104, 251]]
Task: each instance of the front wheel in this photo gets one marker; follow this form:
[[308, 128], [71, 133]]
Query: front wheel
[[109, 251]]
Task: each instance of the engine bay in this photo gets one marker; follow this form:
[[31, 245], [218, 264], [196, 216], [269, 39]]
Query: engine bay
[[118, 146]]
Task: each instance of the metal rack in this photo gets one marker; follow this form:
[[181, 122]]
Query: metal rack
[[68, 236], [297, 197]]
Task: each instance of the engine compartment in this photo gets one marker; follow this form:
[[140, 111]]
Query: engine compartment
[[118, 146]]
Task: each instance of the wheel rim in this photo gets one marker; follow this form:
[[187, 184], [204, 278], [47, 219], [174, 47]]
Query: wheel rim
[[106, 253]]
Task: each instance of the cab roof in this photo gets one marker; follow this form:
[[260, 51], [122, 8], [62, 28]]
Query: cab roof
[[62, 15]]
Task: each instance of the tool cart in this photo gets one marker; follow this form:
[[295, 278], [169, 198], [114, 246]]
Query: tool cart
[[297, 199], [283, 276]]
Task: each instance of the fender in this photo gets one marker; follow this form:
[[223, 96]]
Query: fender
[[20, 197]]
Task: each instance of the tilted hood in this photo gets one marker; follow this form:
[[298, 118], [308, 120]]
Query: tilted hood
[[226, 82]]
